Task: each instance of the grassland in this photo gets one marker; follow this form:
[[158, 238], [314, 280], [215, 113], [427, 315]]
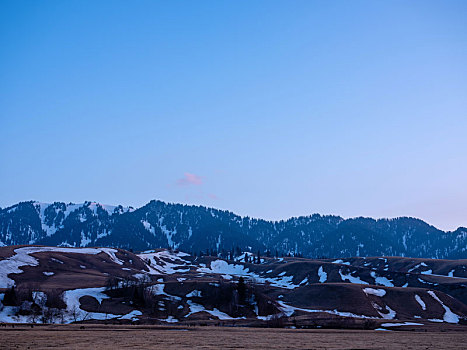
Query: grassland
[[146, 337]]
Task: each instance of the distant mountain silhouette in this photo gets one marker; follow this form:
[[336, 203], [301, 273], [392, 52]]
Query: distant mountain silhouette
[[196, 228]]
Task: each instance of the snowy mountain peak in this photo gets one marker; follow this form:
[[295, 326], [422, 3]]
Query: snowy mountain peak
[[197, 228]]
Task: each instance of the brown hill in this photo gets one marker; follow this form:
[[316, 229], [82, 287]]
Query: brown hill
[[50, 284]]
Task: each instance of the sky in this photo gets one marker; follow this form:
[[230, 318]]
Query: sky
[[270, 109]]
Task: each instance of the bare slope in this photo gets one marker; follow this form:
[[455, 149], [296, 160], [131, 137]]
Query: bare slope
[[82, 284]]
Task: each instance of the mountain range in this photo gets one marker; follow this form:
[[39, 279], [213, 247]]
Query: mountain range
[[198, 229]]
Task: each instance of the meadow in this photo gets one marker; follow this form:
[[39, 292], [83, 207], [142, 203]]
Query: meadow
[[155, 337]]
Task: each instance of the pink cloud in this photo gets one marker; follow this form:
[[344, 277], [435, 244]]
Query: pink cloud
[[190, 179], [212, 196]]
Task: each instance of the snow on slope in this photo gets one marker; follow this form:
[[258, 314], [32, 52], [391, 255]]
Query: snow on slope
[[71, 298], [168, 262], [401, 324], [195, 308], [289, 310], [388, 315], [420, 301], [70, 208], [22, 257], [449, 316], [228, 270], [322, 275], [377, 292], [73, 310], [382, 281], [225, 269], [351, 278], [165, 262]]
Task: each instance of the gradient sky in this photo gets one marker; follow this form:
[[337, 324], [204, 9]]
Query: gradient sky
[[267, 108]]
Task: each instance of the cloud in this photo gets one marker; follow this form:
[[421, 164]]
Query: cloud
[[212, 196], [190, 179]]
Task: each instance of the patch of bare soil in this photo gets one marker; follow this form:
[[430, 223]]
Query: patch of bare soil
[[149, 337]]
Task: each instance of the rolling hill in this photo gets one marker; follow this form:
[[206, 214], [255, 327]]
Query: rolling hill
[[63, 285]]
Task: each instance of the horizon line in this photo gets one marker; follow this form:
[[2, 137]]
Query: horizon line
[[244, 216]]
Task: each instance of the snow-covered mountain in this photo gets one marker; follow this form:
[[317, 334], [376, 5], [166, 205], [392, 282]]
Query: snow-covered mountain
[[197, 228]]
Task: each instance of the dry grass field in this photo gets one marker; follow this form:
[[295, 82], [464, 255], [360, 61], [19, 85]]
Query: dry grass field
[[146, 337]]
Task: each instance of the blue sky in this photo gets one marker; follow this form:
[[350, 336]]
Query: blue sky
[[267, 108]]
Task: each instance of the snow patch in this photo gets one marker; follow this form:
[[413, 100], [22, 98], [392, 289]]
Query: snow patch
[[288, 310], [391, 314], [323, 276], [165, 262], [377, 292], [195, 293], [420, 301], [381, 281], [449, 316], [169, 319], [228, 270], [131, 315], [351, 279], [148, 226], [401, 324], [340, 261]]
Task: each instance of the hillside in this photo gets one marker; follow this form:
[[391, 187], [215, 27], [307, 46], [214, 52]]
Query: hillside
[[194, 229], [65, 285]]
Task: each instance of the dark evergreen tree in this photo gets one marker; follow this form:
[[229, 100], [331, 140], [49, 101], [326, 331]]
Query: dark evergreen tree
[[11, 297], [241, 289], [238, 251]]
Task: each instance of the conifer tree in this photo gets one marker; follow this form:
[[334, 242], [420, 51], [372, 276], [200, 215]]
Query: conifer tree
[[241, 288]]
